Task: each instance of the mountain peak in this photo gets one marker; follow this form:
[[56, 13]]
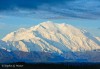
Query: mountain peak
[[52, 23], [47, 23], [21, 30], [52, 37]]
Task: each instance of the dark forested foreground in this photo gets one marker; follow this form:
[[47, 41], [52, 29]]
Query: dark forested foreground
[[51, 66]]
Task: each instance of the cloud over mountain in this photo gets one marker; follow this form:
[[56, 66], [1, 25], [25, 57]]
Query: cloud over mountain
[[59, 8]]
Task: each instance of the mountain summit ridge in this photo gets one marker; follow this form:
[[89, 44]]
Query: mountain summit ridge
[[51, 37]]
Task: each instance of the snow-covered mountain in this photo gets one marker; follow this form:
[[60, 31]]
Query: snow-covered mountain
[[5, 46], [52, 37], [98, 38]]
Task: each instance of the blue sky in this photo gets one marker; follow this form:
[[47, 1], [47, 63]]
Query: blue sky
[[84, 14]]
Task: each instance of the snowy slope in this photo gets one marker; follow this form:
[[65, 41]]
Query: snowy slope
[[98, 38], [52, 37], [5, 46]]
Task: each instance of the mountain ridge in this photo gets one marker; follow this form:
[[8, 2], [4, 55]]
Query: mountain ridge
[[51, 37]]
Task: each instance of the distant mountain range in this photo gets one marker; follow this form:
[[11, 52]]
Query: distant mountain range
[[50, 42]]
